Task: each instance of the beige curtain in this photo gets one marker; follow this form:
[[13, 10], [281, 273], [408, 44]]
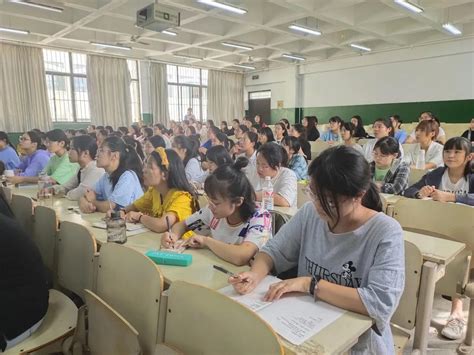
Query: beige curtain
[[108, 84], [24, 101], [225, 95], [159, 93]]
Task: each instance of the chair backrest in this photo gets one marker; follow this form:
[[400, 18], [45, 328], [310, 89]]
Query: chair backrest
[[77, 258], [317, 147], [204, 321], [409, 148], [22, 207], [278, 220], [108, 332], [45, 233], [302, 197], [405, 314], [7, 191], [416, 175], [132, 284]]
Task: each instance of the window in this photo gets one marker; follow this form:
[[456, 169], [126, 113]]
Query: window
[[67, 86], [134, 89], [187, 87]]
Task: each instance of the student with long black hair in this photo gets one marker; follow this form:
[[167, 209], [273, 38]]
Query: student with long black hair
[[187, 149], [230, 226], [122, 182], [346, 250], [296, 161], [8, 152], [217, 156], [310, 124], [169, 195], [359, 132], [265, 135]]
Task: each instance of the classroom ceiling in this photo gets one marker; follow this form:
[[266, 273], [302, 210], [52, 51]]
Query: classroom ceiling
[[377, 24]]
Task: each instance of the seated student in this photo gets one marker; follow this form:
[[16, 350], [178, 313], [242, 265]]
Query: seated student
[[296, 161], [83, 151], [310, 124], [298, 131], [248, 144], [469, 133], [220, 139], [215, 157], [187, 150], [136, 145], [333, 134], [122, 182], [347, 252], [35, 160], [225, 129], [428, 116], [425, 135], [359, 132], [286, 123], [169, 193], [453, 182], [211, 136], [265, 135], [8, 153], [24, 292], [399, 134], [269, 163], [280, 132], [389, 173], [230, 226], [2, 167], [152, 143], [159, 130], [347, 135], [382, 128]]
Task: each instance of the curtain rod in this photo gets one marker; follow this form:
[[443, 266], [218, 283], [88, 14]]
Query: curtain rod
[[36, 45]]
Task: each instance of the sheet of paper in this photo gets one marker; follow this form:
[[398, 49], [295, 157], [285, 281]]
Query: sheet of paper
[[254, 300], [131, 227], [298, 317]]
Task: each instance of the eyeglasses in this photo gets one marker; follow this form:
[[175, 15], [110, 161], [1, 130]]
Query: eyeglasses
[[307, 190], [381, 156], [23, 139]]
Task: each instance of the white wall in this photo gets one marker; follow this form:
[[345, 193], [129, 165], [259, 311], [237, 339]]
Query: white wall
[[436, 72]]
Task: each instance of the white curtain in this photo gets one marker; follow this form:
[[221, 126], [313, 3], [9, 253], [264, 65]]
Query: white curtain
[[225, 95], [24, 101], [108, 84], [159, 93]]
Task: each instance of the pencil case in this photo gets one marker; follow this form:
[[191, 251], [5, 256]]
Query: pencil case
[[166, 258]]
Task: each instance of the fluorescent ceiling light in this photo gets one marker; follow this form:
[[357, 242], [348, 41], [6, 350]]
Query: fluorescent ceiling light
[[409, 6], [311, 31], [362, 48], [239, 46], [14, 30], [185, 56], [169, 33], [38, 5], [292, 56], [221, 5], [451, 28], [114, 46], [244, 66]]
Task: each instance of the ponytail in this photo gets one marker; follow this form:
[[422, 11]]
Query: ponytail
[[372, 198]]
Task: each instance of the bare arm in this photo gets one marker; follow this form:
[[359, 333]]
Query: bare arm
[[236, 254]]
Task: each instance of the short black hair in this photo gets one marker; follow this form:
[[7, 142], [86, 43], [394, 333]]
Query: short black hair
[[388, 145], [272, 153], [58, 135], [293, 143], [85, 143], [157, 141]]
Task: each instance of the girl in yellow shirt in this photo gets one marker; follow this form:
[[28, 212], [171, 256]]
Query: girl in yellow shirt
[[169, 193]]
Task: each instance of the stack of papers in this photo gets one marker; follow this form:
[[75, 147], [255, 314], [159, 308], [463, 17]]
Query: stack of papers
[[295, 317]]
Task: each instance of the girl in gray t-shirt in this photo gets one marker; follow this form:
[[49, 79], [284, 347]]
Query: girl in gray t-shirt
[[347, 252]]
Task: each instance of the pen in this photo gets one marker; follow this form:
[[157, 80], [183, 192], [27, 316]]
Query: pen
[[225, 271], [168, 224]]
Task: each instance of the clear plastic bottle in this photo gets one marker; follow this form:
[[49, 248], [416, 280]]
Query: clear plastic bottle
[[116, 228], [420, 159], [44, 186], [267, 194]]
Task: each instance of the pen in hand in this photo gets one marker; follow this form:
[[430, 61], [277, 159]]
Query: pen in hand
[[227, 272]]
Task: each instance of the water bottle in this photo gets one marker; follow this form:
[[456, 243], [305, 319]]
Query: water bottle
[[267, 194], [45, 186], [420, 159], [116, 228]]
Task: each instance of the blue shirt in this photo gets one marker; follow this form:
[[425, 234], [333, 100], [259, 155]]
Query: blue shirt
[[401, 136], [298, 164], [127, 189], [207, 144], [9, 157], [330, 136], [33, 164]]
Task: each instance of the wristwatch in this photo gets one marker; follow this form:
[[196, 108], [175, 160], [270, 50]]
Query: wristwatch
[[314, 284]]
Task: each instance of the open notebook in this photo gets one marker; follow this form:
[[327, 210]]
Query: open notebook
[[296, 317]]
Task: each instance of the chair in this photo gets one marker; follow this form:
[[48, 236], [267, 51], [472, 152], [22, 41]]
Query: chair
[[416, 175], [107, 332], [403, 320], [278, 220], [409, 148], [317, 147], [7, 191], [302, 197], [77, 258], [59, 322], [203, 321], [22, 207], [132, 285], [45, 229]]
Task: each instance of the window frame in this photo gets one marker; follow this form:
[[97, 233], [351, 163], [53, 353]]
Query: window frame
[[137, 80]]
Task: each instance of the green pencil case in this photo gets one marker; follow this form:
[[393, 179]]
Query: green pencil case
[[167, 258]]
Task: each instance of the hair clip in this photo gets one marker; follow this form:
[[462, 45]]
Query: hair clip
[[164, 158]]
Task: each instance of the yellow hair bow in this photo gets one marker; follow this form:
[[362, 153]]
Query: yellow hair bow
[[164, 158]]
